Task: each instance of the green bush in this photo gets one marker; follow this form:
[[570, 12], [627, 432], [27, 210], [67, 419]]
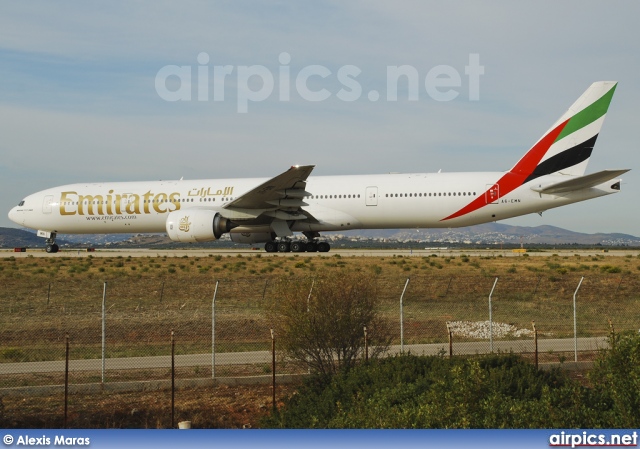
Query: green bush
[[321, 322], [616, 381], [498, 391]]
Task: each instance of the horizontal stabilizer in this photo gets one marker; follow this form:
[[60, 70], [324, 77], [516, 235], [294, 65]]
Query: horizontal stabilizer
[[578, 183]]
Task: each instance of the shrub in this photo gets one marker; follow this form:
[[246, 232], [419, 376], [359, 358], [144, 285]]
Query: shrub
[[496, 391], [616, 381], [434, 392], [325, 330]]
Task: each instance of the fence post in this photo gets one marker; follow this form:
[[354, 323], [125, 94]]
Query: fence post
[[313, 282], [173, 379], [104, 329], [366, 346], [575, 323], [535, 343], [612, 335], [213, 332], [402, 317], [66, 380], [450, 340], [447, 289], [535, 290], [491, 316], [273, 368], [618, 287]]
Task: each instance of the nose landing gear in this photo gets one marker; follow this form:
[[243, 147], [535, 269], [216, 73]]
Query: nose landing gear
[[52, 246]]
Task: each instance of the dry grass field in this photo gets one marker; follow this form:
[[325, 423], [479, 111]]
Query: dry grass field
[[43, 299]]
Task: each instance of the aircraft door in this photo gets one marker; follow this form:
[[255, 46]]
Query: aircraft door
[[46, 204], [492, 195], [371, 196]]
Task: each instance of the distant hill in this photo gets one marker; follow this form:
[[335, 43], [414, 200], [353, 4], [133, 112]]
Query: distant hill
[[14, 238], [485, 234], [496, 233]]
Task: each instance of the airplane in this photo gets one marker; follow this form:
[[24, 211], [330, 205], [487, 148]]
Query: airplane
[[270, 211]]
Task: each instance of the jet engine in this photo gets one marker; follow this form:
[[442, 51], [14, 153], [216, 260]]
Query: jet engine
[[197, 225]]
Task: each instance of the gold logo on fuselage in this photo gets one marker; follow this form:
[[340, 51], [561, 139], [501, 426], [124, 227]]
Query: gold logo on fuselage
[[205, 192], [72, 203]]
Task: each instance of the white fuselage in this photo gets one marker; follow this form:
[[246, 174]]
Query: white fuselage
[[420, 200]]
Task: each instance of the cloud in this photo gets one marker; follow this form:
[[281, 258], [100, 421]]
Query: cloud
[[78, 96]]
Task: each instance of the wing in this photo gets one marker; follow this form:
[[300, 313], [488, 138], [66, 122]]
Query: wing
[[280, 197]]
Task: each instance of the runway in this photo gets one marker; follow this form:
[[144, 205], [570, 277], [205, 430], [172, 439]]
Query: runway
[[343, 252]]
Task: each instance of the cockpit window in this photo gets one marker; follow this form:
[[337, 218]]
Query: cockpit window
[[21, 203]]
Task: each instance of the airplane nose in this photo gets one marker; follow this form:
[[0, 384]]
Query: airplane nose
[[15, 216]]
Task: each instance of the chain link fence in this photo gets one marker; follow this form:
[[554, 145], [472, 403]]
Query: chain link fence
[[120, 330]]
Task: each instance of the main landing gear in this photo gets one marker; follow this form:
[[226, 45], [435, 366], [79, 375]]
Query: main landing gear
[[285, 246]]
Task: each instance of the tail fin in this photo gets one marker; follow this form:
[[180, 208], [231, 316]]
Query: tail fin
[[566, 147]]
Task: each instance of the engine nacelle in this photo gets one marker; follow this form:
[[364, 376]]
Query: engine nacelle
[[251, 237], [196, 225]]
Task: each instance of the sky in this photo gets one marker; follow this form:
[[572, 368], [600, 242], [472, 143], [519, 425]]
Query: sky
[[148, 90]]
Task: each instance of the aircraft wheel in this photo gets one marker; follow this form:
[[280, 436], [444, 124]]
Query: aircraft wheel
[[312, 247], [54, 248], [323, 247], [271, 247], [49, 248], [284, 247], [298, 247]]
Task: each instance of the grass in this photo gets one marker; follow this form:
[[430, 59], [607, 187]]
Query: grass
[[44, 299]]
